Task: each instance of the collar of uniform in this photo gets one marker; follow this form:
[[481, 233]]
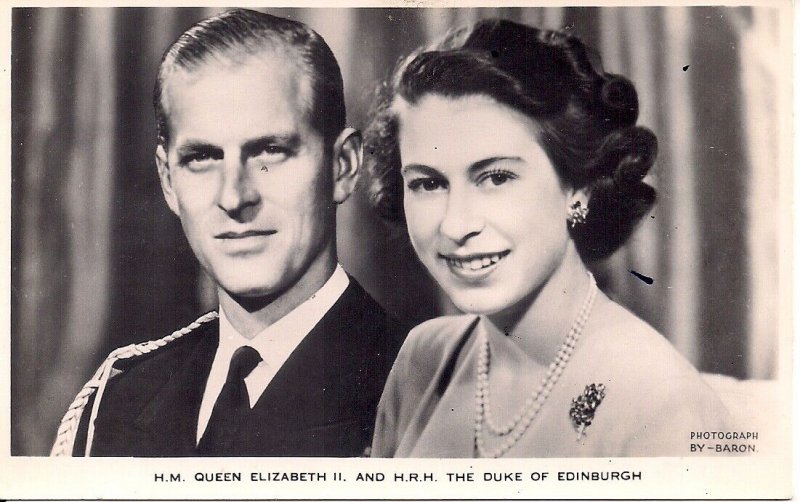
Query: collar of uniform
[[275, 343]]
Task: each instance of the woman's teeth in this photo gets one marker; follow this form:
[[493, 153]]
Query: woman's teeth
[[475, 263]]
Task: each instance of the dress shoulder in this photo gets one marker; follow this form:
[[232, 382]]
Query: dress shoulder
[[428, 347], [436, 339], [635, 348], [424, 357], [91, 393], [656, 396]]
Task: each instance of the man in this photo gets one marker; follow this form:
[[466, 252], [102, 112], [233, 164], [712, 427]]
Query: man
[[253, 156]]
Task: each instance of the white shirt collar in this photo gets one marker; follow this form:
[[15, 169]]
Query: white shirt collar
[[275, 344]]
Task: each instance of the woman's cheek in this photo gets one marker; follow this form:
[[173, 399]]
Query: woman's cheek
[[422, 222]]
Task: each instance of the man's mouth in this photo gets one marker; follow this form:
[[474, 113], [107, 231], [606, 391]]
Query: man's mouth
[[474, 262], [244, 235]]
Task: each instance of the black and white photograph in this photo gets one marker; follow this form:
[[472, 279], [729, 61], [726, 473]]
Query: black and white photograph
[[395, 251]]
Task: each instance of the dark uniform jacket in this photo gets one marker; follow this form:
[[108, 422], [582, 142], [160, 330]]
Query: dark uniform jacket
[[322, 401]]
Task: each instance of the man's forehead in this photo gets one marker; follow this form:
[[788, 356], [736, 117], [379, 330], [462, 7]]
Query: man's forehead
[[265, 54], [227, 74]]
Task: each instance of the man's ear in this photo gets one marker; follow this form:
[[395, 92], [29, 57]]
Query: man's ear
[[166, 179], [347, 158]]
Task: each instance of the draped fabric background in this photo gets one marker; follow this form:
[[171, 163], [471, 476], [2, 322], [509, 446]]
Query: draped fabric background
[[98, 261]]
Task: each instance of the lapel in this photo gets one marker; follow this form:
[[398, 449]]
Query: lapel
[[320, 403], [168, 421], [316, 363], [315, 392]]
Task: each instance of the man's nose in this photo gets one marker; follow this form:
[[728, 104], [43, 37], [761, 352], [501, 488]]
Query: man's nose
[[237, 191], [460, 221]]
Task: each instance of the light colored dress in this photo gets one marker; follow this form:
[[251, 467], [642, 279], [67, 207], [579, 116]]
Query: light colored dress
[[654, 398]]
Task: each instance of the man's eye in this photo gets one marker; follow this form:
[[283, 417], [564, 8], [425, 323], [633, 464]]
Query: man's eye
[[195, 157], [270, 155], [276, 150], [197, 161], [426, 184]]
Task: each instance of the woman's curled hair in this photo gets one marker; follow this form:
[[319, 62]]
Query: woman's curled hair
[[586, 120]]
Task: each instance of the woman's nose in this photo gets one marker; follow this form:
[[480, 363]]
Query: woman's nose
[[237, 191], [460, 221]]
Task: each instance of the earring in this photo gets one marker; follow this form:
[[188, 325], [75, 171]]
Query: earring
[[577, 214]]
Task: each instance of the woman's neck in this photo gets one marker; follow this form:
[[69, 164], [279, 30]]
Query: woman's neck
[[535, 331]]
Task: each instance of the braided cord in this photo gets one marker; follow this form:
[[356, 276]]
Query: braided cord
[[68, 428]]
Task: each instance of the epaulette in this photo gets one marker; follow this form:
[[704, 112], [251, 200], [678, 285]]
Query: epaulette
[[68, 429]]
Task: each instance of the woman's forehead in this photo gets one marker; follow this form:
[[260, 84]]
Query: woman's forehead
[[439, 130]]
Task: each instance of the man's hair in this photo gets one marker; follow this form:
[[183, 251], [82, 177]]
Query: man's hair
[[240, 33]]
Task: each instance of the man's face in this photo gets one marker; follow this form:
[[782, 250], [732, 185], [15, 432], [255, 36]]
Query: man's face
[[249, 177]]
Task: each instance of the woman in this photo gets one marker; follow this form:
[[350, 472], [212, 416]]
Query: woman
[[513, 159]]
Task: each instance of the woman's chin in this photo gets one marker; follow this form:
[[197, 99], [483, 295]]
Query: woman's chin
[[477, 306]]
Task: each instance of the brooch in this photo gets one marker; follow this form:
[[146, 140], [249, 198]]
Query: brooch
[[584, 406]]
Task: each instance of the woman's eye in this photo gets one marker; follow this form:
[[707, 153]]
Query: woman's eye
[[496, 177], [425, 184]]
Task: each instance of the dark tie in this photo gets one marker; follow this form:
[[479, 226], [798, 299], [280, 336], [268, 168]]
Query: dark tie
[[232, 406]]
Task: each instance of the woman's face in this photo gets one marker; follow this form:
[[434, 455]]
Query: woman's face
[[486, 211]]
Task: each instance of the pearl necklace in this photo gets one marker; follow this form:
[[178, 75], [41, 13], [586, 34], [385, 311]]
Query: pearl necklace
[[522, 420]]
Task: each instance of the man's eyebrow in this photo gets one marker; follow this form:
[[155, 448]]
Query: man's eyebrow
[[255, 146], [191, 146]]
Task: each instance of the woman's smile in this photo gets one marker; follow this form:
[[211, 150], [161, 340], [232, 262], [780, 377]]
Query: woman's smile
[[470, 199], [475, 266]]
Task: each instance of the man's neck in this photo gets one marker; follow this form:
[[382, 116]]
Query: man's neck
[[250, 316]]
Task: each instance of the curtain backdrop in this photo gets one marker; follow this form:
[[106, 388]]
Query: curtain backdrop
[[98, 261]]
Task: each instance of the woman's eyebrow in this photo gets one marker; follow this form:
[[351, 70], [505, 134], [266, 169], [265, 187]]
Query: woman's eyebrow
[[484, 163], [419, 167], [474, 167]]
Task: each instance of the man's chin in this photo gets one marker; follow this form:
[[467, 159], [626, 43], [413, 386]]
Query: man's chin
[[253, 298], [249, 290]]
